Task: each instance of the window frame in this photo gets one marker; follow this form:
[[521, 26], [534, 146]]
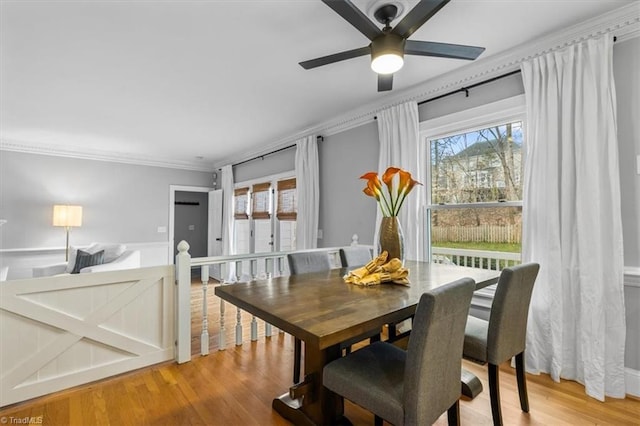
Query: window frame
[[495, 113]]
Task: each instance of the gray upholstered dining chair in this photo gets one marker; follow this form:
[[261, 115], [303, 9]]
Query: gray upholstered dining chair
[[355, 256], [503, 336], [412, 387], [304, 262]]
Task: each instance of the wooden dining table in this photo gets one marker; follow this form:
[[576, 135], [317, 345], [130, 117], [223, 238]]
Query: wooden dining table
[[322, 310]]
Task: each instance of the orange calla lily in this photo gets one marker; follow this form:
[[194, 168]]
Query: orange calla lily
[[388, 175], [391, 201], [406, 182], [374, 189], [372, 179]]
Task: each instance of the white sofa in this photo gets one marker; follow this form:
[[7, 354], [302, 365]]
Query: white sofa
[[116, 258]]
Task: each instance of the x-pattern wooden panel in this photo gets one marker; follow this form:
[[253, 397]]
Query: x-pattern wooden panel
[[23, 299]]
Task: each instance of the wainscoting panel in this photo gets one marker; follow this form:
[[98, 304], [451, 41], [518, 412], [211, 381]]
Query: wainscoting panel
[[59, 332]]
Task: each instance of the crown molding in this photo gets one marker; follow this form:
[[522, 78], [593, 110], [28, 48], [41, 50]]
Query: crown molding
[[624, 23], [98, 155]]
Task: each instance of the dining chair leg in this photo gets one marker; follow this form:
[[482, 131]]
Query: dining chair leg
[[297, 356], [377, 421], [522, 382], [494, 393], [453, 414]]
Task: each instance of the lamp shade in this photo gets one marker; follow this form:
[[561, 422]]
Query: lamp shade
[[64, 215]]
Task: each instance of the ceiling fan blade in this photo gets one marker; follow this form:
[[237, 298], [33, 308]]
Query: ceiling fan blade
[[385, 82], [417, 16], [336, 57], [442, 50], [355, 17]]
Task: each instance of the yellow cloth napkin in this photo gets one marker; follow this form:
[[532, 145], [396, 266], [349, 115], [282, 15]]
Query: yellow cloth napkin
[[379, 271]]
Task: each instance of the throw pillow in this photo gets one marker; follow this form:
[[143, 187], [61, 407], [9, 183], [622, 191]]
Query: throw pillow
[[111, 253], [71, 263], [84, 259]]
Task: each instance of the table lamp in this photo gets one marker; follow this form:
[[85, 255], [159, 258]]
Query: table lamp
[[67, 216]]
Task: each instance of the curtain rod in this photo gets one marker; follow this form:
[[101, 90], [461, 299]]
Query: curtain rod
[[465, 89], [319, 138]]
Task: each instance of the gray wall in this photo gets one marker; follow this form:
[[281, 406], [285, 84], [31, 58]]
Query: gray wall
[[626, 68], [283, 161], [121, 202], [344, 209], [503, 88]]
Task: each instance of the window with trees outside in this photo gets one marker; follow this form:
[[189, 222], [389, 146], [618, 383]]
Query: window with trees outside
[[475, 193]]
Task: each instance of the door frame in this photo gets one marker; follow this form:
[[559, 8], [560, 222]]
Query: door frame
[[172, 200]]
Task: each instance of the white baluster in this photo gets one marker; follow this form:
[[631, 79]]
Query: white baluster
[[238, 327], [222, 341], [204, 336], [268, 269], [280, 266], [254, 329], [238, 313], [253, 270]]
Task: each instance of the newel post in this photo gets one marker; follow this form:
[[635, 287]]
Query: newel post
[[183, 303]]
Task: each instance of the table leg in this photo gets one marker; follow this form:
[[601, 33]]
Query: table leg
[[471, 385], [310, 403]]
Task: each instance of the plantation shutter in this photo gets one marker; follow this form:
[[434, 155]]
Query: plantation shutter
[[240, 203], [287, 200], [261, 201]]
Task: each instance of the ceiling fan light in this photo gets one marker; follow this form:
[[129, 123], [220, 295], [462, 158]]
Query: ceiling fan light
[[387, 53], [387, 63]]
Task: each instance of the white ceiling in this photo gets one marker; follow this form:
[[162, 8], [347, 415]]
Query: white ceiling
[[179, 80]]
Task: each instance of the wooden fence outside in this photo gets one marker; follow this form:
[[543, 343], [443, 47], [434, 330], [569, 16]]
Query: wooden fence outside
[[482, 233]]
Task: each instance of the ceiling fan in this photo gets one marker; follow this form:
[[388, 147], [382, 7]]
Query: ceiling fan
[[389, 45]]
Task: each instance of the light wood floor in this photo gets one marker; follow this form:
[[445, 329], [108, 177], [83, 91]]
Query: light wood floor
[[236, 386]]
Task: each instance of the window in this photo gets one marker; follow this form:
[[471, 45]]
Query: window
[[474, 164], [257, 228], [287, 214]]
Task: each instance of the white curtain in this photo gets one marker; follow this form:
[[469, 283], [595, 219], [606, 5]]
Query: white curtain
[[308, 187], [572, 218], [399, 134], [227, 219]]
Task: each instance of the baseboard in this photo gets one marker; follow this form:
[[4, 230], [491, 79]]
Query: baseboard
[[632, 382]]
